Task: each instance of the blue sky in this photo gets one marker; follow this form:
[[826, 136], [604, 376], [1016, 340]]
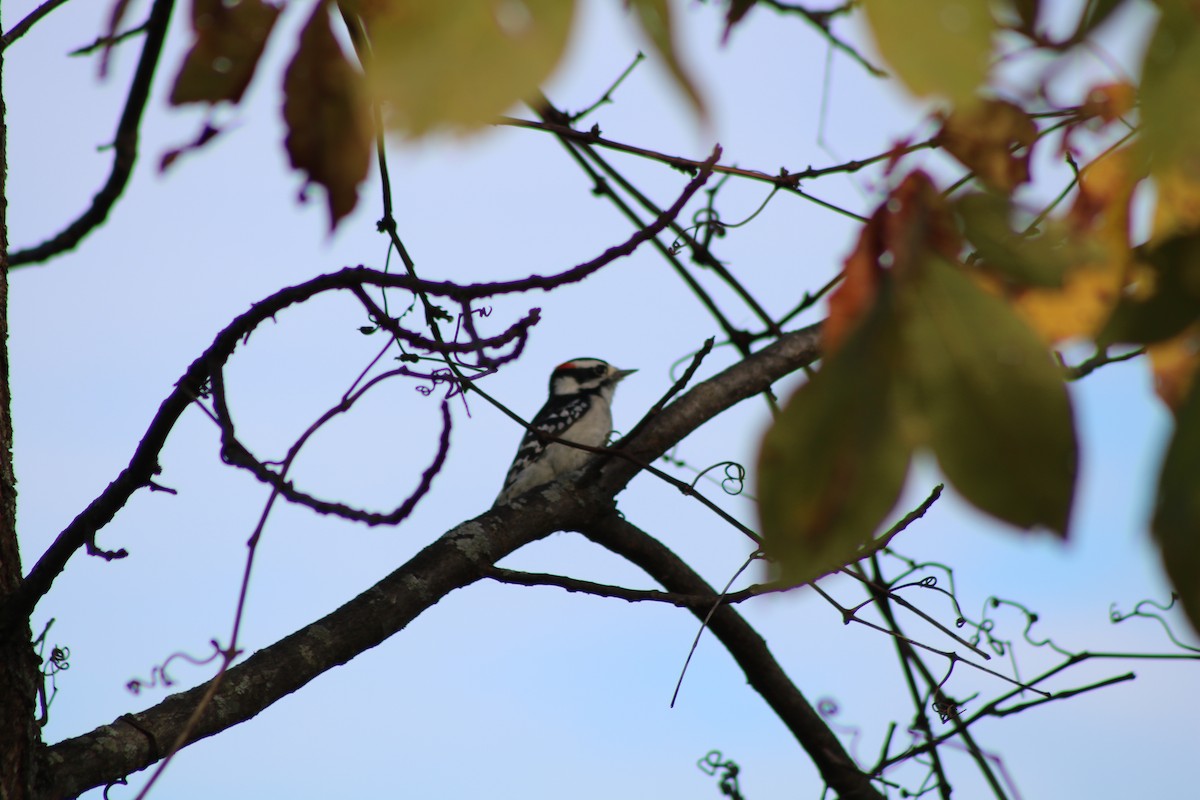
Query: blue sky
[[502, 689]]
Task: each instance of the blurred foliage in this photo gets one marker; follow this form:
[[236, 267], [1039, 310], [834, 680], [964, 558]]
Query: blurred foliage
[[430, 68], [950, 334]]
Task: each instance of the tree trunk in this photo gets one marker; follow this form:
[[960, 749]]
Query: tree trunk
[[19, 666]]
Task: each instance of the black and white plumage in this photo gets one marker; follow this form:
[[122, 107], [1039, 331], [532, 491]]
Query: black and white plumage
[[579, 410]]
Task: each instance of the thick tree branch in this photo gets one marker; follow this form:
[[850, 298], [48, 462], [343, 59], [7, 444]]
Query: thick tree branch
[[706, 399], [748, 649], [459, 557], [456, 559], [20, 667]]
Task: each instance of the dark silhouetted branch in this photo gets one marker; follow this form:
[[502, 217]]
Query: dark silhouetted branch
[[125, 147], [459, 557], [748, 649]]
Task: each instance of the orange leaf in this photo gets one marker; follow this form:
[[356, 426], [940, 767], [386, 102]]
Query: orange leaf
[[327, 116], [985, 135], [1175, 363], [856, 294], [1109, 101], [911, 222]]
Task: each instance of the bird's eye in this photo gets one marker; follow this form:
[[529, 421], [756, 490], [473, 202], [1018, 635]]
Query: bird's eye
[[600, 370]]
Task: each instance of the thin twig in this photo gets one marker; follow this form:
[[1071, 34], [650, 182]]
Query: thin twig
[[125, 148], [31, 19]]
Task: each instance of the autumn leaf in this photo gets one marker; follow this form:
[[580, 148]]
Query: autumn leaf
[[1169, 114], [833, 464], [1167, 296], [987, 398], [1018, 259], [855, 296], [458, 66], [1176, 522], [230, 37], [1177, 206], [1175, 362], [1109, 102], [914, 205], [937, 47], [1103, 261], [328, 119], [993, 139]]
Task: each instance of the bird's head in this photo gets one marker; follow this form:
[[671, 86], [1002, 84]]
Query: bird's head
[[586, 375]]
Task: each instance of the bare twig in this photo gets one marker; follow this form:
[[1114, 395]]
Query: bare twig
[[747, 648], [31, 19], [125, 147]]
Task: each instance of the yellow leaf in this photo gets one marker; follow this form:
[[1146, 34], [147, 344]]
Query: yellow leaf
[[1099, 222], [937, 47], [984, 136], [458, 65], [1178, 204]]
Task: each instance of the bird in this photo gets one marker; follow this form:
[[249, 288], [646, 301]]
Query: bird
[[579, 409]]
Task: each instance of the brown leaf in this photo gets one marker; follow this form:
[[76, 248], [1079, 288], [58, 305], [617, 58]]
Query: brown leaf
[[913, 221], [1109, 101], [229, 40], [984, 137], [327, 116], [737, 10], [855, 295], [206, 135], [1175, 363]]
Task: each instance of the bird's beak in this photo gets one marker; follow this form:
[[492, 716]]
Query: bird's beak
[[622, 374]]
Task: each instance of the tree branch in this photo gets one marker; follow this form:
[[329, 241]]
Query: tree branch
[[125, 147], [458, 558], [144, 464], [31, 19], [748, 649]]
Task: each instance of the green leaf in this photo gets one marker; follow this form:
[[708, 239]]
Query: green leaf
[[937, 47], [1173, 301], [1177, 515], [655, 19], [833, 464], [986, 396], [328, 119], [459, 65], [1170, 114], [230, 38], [1024, 260]]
